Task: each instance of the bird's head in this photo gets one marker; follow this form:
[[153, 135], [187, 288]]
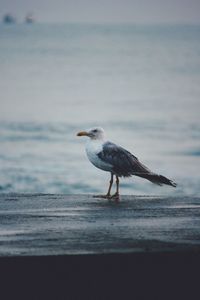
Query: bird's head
[[96, 133]]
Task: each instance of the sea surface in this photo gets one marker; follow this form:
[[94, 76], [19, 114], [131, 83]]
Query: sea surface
[[141, 83]]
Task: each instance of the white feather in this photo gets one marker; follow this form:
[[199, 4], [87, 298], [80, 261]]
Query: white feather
[[93, 147]]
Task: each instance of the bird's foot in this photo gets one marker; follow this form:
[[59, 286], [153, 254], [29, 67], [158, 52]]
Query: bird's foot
[[115, 197], [107, 196]]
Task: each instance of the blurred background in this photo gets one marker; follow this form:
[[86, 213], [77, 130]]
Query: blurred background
[[132, 67]]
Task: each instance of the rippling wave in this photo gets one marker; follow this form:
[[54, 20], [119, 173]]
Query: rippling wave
[[141, 83], [50, 158]]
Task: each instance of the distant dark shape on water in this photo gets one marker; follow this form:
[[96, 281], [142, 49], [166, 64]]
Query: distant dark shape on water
[[118, 161], [29, 18], [9, 19]]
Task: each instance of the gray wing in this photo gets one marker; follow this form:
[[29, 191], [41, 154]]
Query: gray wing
[[124, 163]]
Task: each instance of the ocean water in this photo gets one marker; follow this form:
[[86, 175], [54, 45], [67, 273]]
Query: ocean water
[[140, 82]]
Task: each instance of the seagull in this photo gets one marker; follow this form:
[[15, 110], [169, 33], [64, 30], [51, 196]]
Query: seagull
[[112, 158]]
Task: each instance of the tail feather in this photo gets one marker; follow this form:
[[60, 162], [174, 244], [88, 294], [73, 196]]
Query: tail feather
[[157, 179]]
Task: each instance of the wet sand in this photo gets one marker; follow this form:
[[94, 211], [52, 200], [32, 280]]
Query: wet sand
[[80, 247], [80, 224]]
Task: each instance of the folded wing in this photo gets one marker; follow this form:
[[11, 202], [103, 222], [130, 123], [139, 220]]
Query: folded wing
[[126, 164]]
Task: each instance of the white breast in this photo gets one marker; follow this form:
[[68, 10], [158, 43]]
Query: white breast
[[93, 147]]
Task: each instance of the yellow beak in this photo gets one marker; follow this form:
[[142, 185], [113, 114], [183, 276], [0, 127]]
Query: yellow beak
[[82, 133]]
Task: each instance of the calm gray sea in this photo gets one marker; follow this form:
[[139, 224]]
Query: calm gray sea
[[140, 82]]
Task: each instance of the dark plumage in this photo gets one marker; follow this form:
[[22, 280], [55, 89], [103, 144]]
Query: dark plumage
[[126, 164]]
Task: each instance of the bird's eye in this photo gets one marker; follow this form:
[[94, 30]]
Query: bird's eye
[[95, 130]]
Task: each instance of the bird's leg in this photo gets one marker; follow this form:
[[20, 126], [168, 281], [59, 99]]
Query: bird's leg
[[117, 182], [109, 189], [116, 195], [110, 186]]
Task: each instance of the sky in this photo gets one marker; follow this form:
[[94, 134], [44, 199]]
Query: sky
[[105, 11]]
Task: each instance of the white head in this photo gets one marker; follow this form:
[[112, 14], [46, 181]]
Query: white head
[[96, 133]]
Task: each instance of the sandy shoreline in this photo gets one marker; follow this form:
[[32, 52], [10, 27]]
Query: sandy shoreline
[[41, 225], [80, 247]]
